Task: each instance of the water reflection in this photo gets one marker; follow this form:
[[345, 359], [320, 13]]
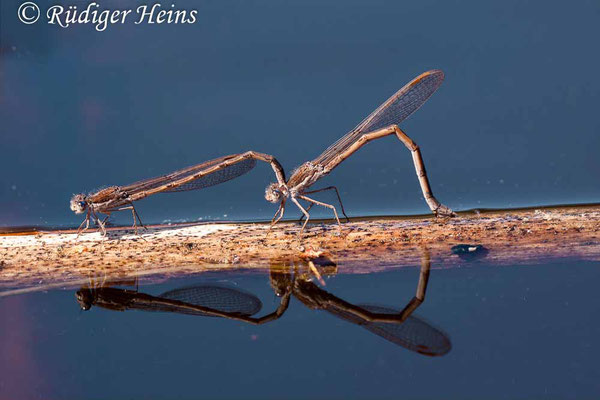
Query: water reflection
[[203, 300], [400, 327]]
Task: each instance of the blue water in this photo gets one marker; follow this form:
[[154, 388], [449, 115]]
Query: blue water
[[514, 124], [515, 332]]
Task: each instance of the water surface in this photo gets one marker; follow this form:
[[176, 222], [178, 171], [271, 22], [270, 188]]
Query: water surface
[[515, 332]]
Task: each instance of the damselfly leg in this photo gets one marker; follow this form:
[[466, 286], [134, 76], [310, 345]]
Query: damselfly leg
[[278, 215], [134, 214], [322, 190], [306, 198], [86, 221], [306, 214]]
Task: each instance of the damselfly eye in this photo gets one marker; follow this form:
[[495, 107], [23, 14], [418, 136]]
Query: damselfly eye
[[78, 203], [272, 193]]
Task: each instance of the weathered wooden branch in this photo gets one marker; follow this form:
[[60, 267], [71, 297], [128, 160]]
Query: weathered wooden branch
[[44, 259]]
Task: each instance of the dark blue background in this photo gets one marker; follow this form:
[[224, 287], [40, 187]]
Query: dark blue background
[[514, 124]]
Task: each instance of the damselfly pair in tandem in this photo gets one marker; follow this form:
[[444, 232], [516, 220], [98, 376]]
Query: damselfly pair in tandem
[[381, 122]]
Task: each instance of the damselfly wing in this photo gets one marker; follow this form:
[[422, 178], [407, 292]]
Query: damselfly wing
[[393, 111], [200, 176], [201, 300], [414, 333], [180, 181]]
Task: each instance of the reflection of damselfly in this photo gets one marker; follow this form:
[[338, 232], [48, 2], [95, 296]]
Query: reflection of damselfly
[[381, 122], [399, 327], [209, 173], [202, 300]]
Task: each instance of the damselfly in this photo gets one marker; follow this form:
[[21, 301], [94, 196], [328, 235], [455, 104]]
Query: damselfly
[[381, 122], [401, 327], [202, 300], [209, 173]]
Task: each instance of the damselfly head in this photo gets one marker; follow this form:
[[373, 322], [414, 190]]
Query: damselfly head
[[273, 193], [78, 203], [85, 299]]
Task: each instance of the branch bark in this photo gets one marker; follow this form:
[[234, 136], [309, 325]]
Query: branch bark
[[43, 259]]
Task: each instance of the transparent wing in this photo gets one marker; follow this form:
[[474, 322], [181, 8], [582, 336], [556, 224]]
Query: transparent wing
[[217, 177], [404, 102], [413, 334], [201, 300], [204, 180], [216, 297], [393, 111]]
